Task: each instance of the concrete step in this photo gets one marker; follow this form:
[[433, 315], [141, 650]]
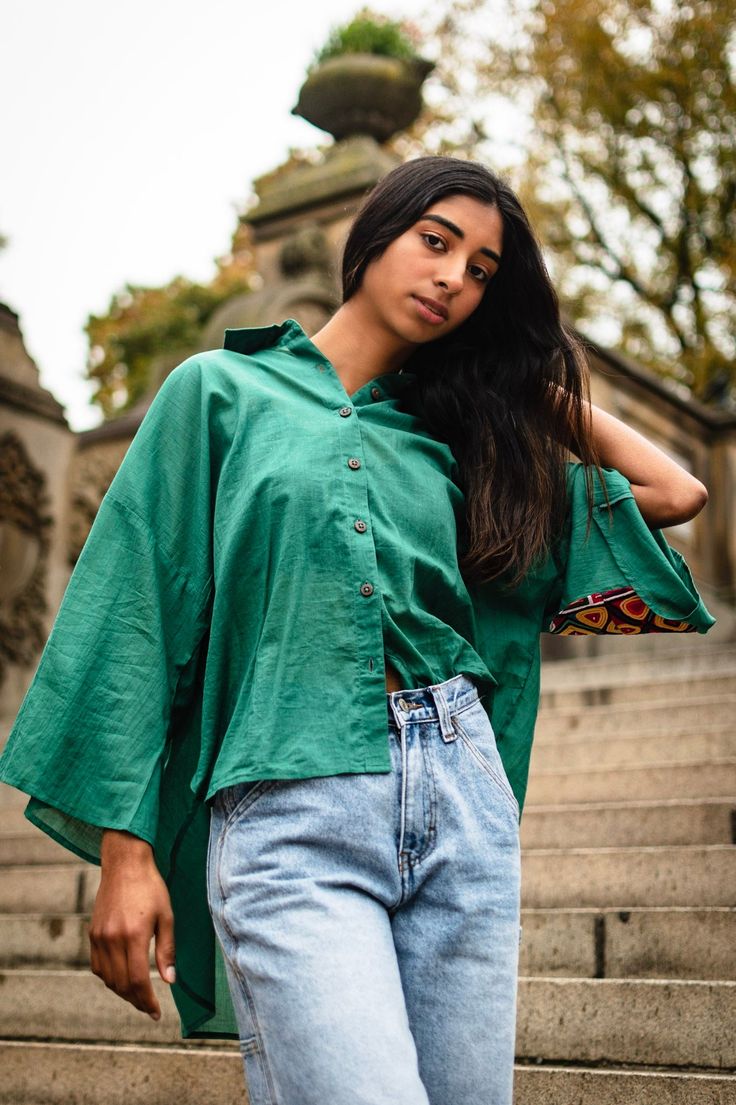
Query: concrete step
[[587, 943], [52, 888], [675, 728], [31, 845], [45, 940], [13, 821], [636, 943], [653, 716], [692, 875], [634, 748], [616, 782], [72, 1004], [53, 1073], [552, 1084], [650, 876], [675, 688], [627, 1021], [559, 1019], [584, 670], [10, 798], [628, 824], [58, 1074]]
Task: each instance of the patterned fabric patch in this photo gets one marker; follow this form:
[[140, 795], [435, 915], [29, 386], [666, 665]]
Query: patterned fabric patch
[[619, 610]]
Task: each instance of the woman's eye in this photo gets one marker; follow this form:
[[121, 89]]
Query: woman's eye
[[429, 234], [479, 274]]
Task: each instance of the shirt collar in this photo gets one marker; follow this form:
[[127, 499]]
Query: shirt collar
[[290, 335]]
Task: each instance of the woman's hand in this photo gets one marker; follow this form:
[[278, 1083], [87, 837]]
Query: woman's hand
[[132, 905]]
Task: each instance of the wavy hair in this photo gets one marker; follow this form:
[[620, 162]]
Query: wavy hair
[[507, 390]]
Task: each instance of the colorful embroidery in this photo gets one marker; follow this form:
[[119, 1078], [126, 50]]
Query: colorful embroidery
[[619, 610]]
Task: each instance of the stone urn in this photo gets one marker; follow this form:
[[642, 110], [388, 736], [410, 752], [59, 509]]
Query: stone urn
[[363, 94]]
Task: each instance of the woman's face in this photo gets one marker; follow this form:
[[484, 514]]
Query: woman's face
[[447, 258]]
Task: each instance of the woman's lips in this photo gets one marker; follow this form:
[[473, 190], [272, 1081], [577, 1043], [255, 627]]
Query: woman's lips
[[427, 313]]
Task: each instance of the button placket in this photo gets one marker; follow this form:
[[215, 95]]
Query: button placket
[[365, 558]]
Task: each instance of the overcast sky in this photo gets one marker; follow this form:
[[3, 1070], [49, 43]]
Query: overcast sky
[[131, 134]]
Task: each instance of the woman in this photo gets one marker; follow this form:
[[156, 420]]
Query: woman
[[296, 666]]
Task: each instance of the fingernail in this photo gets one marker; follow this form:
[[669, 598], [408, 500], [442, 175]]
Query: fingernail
[[170, 974], [155, 1016]]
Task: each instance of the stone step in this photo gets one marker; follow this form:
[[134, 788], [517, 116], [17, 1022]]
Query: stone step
[[635, 943], [599, 670], [559, 1019], [675, 688], [593, 736], [628, 824], [32, 845], [10, 797], [690, 875], [650, 1021], [52, 888], [634, 748], [40, 1073], [552, 1084], [45, 940], [654, 716], [616, 782], [13, 821], [585, 943]]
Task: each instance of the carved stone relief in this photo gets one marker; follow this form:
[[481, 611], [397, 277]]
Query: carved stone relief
[[25, 525]]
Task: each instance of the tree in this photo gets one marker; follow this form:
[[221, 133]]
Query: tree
[[628, 167], [142, 323]]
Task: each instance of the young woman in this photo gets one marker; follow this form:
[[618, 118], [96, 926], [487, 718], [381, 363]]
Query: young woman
[[296, 666]]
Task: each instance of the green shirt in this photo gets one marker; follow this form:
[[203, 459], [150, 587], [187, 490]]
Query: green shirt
[[266, 539]]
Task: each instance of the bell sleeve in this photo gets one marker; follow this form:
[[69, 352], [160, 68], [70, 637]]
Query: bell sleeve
[[619, 576], [90, 739]]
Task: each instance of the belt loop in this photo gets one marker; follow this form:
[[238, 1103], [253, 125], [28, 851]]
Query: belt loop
[[397, 713], [446, 727]]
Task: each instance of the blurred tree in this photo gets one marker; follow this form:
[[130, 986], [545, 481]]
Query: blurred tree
[[623, 152], [142, 323]]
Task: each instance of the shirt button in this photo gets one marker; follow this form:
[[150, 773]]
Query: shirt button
[[375, 393], [366, 588], [346, 411], [353, 463], [361, 526]]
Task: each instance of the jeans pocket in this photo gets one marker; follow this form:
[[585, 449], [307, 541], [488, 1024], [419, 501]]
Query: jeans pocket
[[235, 799], [474, 728]]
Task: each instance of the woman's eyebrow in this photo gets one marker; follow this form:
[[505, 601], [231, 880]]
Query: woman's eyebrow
[[461, 234]]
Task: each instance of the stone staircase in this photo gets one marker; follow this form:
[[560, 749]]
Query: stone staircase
[[627, 994]]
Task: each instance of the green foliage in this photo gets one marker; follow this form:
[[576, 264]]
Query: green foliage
[[143, 324], [368, 33], [623, 153]]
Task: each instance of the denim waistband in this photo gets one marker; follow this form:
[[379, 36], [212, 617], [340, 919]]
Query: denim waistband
[[436, 702]]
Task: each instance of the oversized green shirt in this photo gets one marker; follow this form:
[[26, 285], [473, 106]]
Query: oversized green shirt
[[265, 541]]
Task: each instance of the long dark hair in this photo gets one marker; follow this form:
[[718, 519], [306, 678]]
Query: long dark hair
[[489, 388]]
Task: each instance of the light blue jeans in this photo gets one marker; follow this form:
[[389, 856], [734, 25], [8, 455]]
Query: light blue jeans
[[370, 922]]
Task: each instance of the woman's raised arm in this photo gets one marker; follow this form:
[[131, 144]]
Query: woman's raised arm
[[665, 493]]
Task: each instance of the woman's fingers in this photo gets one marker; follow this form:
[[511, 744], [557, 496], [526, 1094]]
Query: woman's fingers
[[140, 988], [131, 904], [165, 956]]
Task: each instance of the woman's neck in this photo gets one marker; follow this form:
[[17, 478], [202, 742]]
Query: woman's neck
[[359, 349]]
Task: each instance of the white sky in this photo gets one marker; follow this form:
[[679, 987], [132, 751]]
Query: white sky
[[131, 134]]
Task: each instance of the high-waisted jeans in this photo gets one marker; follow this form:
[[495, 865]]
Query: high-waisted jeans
[[370, 922]]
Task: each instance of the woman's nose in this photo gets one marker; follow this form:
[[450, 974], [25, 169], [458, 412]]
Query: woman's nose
[[451, 281]]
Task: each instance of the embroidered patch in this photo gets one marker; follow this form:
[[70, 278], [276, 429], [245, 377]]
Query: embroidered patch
[[619, 610]]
